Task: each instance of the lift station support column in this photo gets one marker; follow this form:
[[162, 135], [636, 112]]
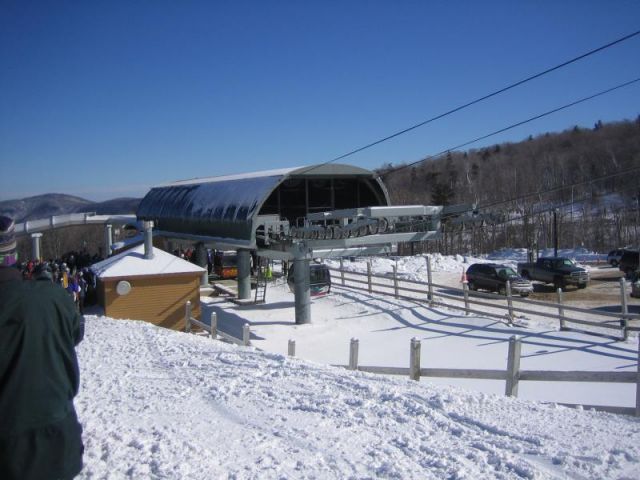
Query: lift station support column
[[244, 274], [201, 261], [108, 240], [148, 239], [35, 246], [301, 284]]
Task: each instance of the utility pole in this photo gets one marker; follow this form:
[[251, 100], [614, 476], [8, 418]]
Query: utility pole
[[637, 217], [555, 232], [573, 227]]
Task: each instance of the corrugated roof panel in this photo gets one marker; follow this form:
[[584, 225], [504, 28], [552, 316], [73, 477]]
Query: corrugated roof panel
[[222, 208], [226, 207], [280, 172]]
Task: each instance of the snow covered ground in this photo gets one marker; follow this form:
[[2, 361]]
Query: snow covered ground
[[156, 403], [385, 326]]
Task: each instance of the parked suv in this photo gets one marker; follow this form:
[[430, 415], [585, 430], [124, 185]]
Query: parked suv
[[614, 257], [494, 277], [629, 262], [635, 284]]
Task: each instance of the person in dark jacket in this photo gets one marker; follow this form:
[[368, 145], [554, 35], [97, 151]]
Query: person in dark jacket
[[40, 436]]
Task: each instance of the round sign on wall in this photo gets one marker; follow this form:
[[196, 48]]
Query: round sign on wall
[[123, 287]]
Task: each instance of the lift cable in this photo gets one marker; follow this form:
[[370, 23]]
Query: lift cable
[[514, 125], [561, 187], [550, 190], [490, 95], [521, 216]]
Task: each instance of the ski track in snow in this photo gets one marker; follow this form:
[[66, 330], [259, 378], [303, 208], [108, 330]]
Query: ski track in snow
[[156, 403]]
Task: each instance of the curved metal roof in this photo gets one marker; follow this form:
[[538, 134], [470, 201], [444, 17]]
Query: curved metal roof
[[226, 207]]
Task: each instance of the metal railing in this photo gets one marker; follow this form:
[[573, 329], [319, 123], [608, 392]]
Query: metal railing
[[68, 220]]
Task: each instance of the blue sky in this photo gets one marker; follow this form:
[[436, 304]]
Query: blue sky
[[106, 99]]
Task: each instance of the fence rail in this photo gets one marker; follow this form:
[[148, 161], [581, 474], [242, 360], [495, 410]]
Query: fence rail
[[212, 328], [512, 375], [466, 300]]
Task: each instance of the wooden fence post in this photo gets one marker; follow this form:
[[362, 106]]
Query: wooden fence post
[[342, 270], [395, 280], [369, 276], [638, 382], [187, 317], [625, 310], [213, 323], [509, 301], [292, 348], [513, 367], [465, 292], [430, 283], [353, 354], [246, 335], [561, 310], [414, 359]]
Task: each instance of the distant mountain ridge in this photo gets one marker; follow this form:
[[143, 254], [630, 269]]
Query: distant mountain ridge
[[49, 204]]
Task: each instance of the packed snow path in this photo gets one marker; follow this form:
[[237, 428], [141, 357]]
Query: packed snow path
[[156, 403]]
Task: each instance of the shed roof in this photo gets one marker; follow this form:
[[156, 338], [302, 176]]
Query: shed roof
[[133, 263], [226, 207]]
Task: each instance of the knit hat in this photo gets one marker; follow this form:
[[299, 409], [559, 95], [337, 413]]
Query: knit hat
[[8, 254]]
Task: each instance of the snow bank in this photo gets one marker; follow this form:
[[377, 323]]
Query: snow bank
[[415, 267]]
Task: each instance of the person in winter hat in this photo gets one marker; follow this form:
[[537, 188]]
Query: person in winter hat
[[8, 255], [40, 436], [7, 241], [43, 272]]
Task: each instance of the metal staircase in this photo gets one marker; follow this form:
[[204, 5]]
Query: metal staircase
[[261, 280]]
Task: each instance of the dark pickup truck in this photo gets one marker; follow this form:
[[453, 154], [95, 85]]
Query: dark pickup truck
[[557, 270]]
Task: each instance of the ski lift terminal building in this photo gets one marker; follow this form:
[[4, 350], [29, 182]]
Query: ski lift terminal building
[[326, 210]]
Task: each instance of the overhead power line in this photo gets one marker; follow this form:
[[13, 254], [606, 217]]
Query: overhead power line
[[514, 125], [559, 188], [485, 97], [547, 191], [521, 216]]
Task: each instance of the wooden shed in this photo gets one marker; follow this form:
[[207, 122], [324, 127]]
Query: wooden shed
[[132, 286]]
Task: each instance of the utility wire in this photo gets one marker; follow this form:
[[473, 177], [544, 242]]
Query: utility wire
[[483, 137], [522, 216], [560, 188], [490, 95], [581, 199], [545, 192]]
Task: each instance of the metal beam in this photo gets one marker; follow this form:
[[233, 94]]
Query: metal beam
[[356, 251], [378, 212], [379, 239], [61, 221], [219, 243], [367, 245]]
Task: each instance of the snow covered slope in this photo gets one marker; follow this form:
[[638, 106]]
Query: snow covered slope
[[156, 403]]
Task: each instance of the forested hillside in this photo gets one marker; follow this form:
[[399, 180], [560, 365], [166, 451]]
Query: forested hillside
[[49, 204], [589, 177]]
